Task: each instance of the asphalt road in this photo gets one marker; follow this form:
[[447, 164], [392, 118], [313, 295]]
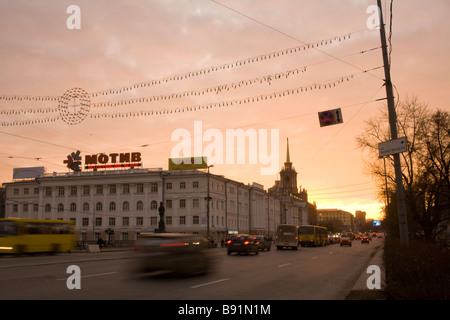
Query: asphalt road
[[308, 273]]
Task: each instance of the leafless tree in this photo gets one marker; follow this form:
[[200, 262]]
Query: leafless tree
[[425, 164]]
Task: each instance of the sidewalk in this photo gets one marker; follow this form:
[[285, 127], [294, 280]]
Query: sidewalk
[[360, 291]]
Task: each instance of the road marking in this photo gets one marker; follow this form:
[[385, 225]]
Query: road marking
[[209, 283], [92, 275], [314, 257], [283, 265]]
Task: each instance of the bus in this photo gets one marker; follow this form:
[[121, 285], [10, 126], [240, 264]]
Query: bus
[[286, 236], [19, 236], [313, 236]]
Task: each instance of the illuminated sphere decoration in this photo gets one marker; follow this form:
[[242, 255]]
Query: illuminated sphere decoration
[[74, 106]]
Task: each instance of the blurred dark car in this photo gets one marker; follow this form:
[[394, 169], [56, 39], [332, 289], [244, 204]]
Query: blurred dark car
[[242, 243], [365, 239], [346, 241], [263, 242], [173, 252]]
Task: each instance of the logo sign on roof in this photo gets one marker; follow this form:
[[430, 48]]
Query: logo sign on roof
[[190, 163], [104, 161]]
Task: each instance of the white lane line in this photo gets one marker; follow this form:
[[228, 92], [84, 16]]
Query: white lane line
[[91, 275], [314, 257], [209, 283], [283, 265]]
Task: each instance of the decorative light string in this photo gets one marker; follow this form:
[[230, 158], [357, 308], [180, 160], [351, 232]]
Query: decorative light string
[[72, 115], [200, 107]]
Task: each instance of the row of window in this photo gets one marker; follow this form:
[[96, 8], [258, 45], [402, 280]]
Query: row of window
[[139, 221]]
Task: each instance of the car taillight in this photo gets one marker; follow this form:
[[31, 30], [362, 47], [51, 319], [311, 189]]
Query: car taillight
[[246, 243], [229, 241]]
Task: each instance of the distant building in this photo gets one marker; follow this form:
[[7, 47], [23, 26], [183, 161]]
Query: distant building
[[295, 208], [344, 216], [361, 216]]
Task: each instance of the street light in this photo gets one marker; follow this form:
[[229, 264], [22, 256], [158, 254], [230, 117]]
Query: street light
[[208, 199]]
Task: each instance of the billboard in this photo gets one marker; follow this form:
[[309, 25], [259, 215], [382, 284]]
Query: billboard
[[190, 163], [28, 172]]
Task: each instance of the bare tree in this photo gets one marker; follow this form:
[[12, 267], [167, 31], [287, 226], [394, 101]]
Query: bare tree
[[425, 164]]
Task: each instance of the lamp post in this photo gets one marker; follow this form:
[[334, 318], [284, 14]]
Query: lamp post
[[208, 199]]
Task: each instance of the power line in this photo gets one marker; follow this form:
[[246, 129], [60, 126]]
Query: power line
[[291, 37]]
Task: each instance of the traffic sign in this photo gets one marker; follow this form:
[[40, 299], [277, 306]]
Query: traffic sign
[[330, 117], [392, 147]]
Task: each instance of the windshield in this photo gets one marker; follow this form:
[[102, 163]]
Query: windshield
[[8, 228], [306, 230]]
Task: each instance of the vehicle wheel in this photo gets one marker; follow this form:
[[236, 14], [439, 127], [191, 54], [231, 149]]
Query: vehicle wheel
[[228, 252], [257, 252]]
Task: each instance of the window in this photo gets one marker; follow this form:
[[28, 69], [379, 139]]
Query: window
[[15, 207], [48, 191], [86, 207], [182, 219], [124, 236], [60, 191], [36, 190], [98, 222], [153, 187], [139, 205], [195, 184], [153, 221], [139, 221], [169, 204], [35, 207], [112, 189], [85, 222], [112, 206], [25, 207], [73, 207], [126, 206], [99, 206], [168, 220], [60, 207], [195, 220], [26, 191], [86, 190], [140, 188], [169, 185], [195, 203], [112, 221], [153, 205], [182, 203], [182, 185], [125, 221], [16, 191], [99, 189], [73, 191], [126, 188]]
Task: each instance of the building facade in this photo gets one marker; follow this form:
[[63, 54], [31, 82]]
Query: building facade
[[344, 216], [295, 208], [117, 205]]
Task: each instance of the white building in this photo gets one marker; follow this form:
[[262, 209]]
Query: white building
[[117, 205]]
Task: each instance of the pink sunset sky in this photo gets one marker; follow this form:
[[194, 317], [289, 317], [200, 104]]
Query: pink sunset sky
[[172, 57]]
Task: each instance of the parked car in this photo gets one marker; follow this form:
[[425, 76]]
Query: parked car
[[346, 241], [242, 243], [263, 242], [174, 252]]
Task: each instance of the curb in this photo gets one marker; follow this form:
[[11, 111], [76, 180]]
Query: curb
[[360, 290]]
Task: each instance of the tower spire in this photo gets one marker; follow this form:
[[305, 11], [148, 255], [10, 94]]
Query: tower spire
[[288, 157]]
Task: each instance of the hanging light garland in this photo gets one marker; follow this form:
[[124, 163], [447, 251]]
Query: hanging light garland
[[84, 105]]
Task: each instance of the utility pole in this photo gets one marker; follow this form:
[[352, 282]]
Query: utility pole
[[402, 218]]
